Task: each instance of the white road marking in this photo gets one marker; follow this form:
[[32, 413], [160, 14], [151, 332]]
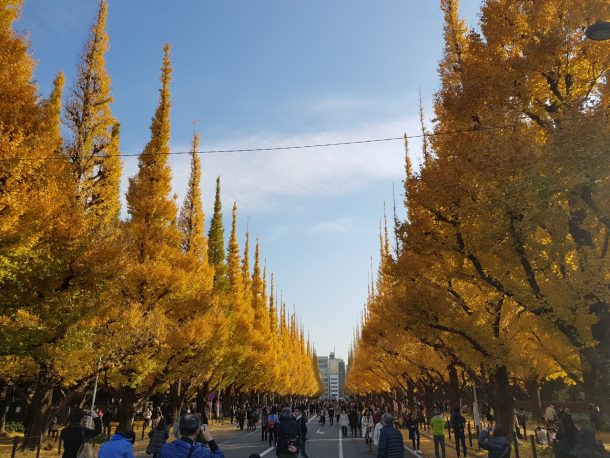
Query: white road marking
[[267, 451], [340, 444], [411, 451]]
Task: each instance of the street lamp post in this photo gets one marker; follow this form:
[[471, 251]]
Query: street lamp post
[[599, 31]]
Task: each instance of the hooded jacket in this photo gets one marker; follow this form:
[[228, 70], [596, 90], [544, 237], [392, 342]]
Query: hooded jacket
[[497, 446], [180, 448], [117, 447]]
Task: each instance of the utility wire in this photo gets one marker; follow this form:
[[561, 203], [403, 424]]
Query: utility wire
[[314, 145]]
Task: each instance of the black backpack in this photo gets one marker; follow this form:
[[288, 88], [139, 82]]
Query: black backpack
[[291, 433]]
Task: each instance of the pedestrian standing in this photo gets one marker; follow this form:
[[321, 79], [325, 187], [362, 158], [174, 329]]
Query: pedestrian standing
[[413, 426], [288, 435], [264, 418], [75, 434], [497, 446], [367, 428], [302, 423], [390, 439], [188, 446], [343, 423], [158, 436], [119, 445], [272, 422], [458, 423], [438, 432]]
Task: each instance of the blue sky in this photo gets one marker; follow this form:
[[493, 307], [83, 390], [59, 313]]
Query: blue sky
[[257, 73]]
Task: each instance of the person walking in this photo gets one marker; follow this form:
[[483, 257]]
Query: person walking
[[438, 432], [192, 428], [390, 439], [353, 422], [302, 423], [272, 422], [288, 435], [120, 445], [458, 424], [343, 423], [264, 418], [75, 434], [497, 446], [331, 414], [367, 428], [158, 436], [413, 426]]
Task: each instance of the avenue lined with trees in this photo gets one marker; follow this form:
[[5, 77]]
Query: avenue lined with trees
[[498, 276], [148, 303]]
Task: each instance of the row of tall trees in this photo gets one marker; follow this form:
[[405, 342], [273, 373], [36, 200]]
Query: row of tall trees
[[149, 302], [500, 273]]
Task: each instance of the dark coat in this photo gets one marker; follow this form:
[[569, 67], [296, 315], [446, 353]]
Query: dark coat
[[457, 423], [180, 449], [158, 437], [287, 428], [72, 437], [497, 447], [390, 443]]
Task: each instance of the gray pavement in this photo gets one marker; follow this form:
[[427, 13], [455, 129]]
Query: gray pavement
[[324, 442]]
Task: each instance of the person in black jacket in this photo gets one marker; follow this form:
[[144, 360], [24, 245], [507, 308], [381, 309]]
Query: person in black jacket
[[302, 422], [75, 434], [390, 439], [413, 426], [458, 423], [158, 437], [288, 435]]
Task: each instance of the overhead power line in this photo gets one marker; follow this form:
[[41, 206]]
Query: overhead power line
[[317, 145]]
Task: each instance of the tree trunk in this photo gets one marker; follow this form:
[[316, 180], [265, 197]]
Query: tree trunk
[[6, 391], [595, 361], [454, 386], [533, 392], [176, 398], [37, 414], [428, 395], [126, 409], [504, 403]]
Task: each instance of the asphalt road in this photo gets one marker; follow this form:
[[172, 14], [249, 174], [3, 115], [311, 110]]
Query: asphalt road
[[324, 442]]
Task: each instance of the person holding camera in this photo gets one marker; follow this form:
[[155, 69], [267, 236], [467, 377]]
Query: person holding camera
[[193, 434]]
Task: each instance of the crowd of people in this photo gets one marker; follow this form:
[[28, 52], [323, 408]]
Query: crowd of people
[[284, 427]]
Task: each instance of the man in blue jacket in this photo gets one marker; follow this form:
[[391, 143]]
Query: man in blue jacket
[[191, 430], [120, 445], [391, 444], [498, 446]]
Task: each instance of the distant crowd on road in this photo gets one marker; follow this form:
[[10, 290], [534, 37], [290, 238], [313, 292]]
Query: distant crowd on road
[[285, 427]]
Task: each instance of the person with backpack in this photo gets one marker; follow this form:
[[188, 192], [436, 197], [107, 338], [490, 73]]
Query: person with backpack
[[120, 445], [288, 435], [458, 423], [272, 422], [75, 435], [497, 446], [191, 429], [302, 422], [158, 437]]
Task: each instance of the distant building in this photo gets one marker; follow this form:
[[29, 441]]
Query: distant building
[[332, 373], [323, 365]]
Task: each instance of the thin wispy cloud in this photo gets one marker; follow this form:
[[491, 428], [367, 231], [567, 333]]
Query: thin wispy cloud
[[336, 226]]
